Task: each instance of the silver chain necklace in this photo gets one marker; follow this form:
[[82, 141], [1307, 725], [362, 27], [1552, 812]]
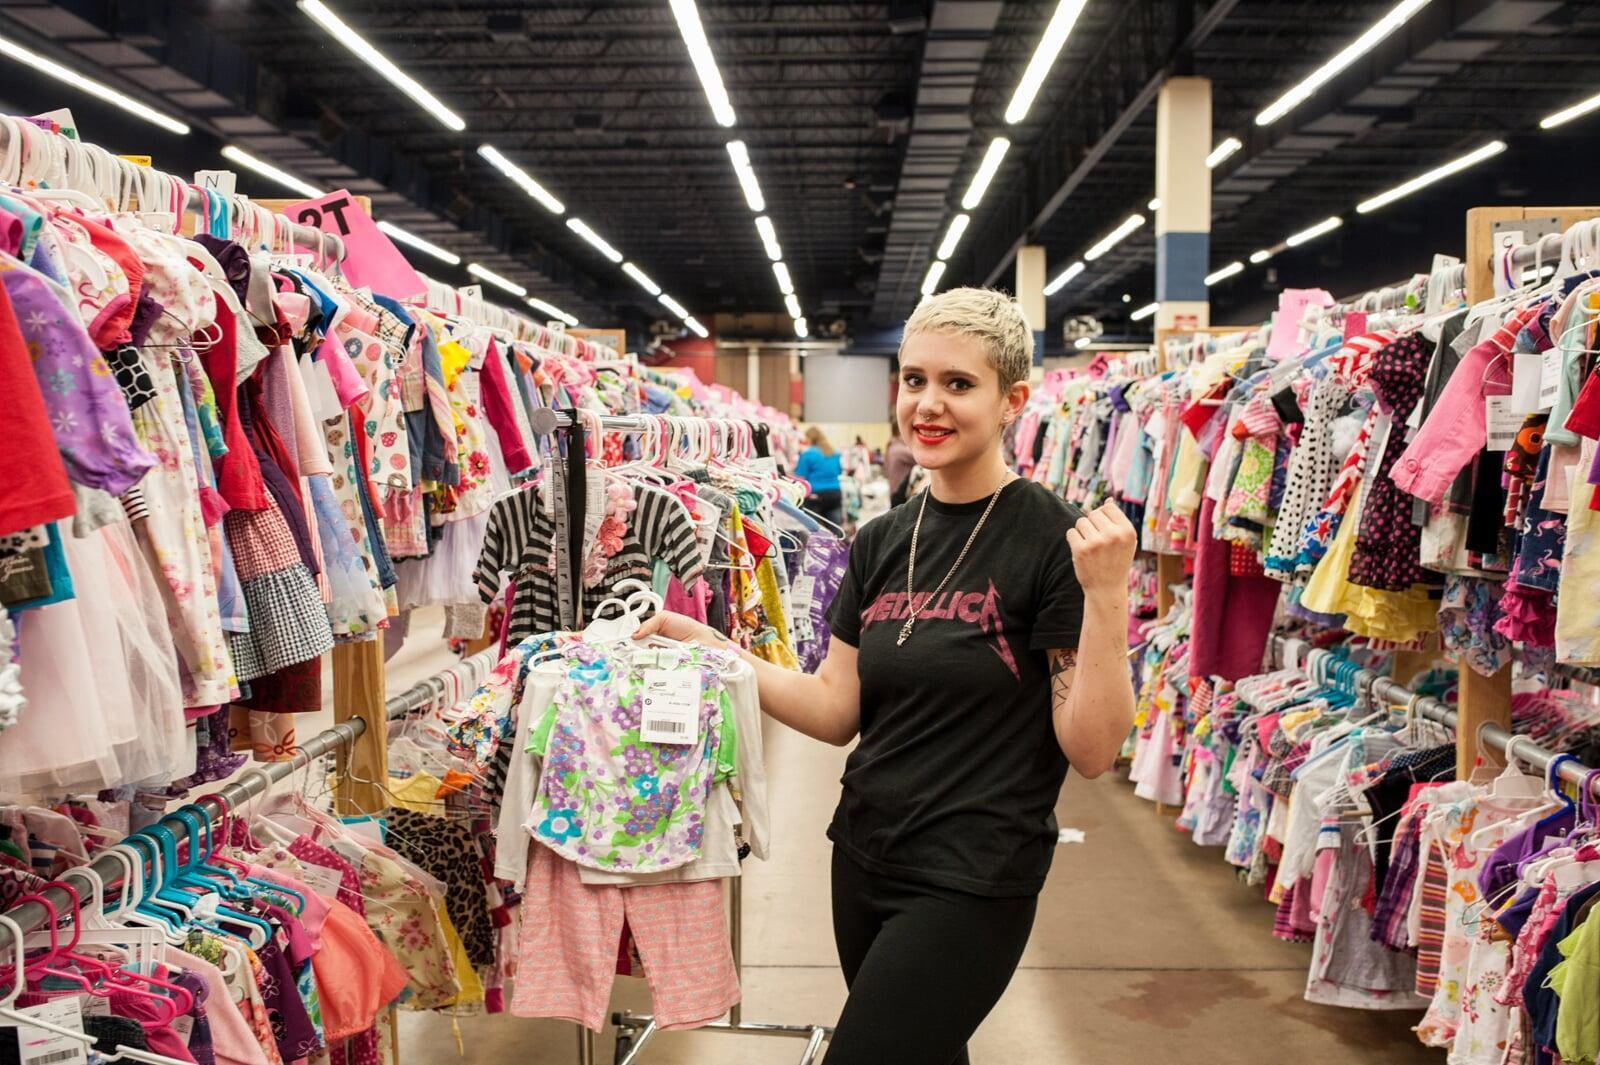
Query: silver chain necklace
[[911, 566]]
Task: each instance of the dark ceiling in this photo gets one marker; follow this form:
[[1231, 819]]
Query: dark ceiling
[[600, 103]]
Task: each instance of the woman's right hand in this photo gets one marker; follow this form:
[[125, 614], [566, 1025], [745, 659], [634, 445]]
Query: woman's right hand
[[682, 628]]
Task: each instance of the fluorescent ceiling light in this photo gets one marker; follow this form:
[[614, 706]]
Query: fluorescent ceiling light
[[1397, 17], [802, 328], [1082, 342], [952, 236], [1577, 110], [747, 176], [986, 171], [1327, 225], [267, 170], [1144, 312], [1060, 280], [495, 279], [523, 179], [793, 306], [769, 237], [1113, 238], [1222, 152], [1259, 257], [781, 272], [1232, 269], [673, 305], [323, 16], [421, 245], [1055, 37], [643, 279], [1154, 204], [705, 64], [98, 89], [1438, 173], [578, 227], [931, 282], [696, 328], [551, 309]]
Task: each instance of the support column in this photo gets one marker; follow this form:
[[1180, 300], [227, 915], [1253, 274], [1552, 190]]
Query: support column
[[1183, 185], [1030, 295]]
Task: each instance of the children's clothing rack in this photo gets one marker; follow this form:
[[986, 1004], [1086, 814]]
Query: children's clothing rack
[[31, 916], [634, 1030], [1487, 735]]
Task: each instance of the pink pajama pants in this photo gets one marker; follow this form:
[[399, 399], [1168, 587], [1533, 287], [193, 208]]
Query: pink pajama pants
[[567, 948]]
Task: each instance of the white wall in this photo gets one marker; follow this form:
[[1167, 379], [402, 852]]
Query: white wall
[[846, 388]]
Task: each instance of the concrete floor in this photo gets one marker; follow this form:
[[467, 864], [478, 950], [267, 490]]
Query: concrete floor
[[1146, 950]]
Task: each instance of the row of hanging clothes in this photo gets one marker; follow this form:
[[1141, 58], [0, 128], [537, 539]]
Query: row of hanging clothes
[[618, 822], [1427, 467], [270, 932], [227, 458], [1455, 899]]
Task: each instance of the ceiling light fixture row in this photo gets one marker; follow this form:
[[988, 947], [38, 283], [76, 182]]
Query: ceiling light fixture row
[[705, 65], [363, 50]]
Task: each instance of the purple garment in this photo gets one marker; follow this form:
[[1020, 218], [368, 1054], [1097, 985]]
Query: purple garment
[[200, 1044], [292, 1029], [88, 412], [825, 560], [214, 759], [1500, 871]]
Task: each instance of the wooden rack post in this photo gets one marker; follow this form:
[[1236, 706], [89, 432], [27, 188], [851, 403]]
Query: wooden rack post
[[1487, 700]]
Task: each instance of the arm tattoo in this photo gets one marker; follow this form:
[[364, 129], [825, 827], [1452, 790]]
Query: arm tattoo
[[1061, 665]]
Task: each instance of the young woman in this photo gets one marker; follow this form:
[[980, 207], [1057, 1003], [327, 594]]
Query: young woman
[[979, 647], [819, 466]]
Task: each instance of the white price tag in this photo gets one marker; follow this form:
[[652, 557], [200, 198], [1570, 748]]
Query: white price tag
[[35, 1046], [802, 592], [321, 879], [183, 1025], [95, 1006], [1526, 372], [671, 706], [1550, 370], [1503, 422]]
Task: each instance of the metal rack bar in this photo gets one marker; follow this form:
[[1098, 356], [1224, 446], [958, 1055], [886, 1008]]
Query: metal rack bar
[[32, 915], [1490, 735]]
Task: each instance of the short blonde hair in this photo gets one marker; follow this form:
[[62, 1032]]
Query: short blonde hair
[[986, 314]]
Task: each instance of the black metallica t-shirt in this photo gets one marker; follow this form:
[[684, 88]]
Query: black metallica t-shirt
[[955, 779]]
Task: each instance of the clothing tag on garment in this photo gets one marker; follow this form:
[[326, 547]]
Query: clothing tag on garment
[[321, 879], [1527, 371], [1503, 422], [802, 592], [671, 706], [35, 1046], [95, 1006], [1070, 835], [206, 906], [183, 1025], [1549, 377]]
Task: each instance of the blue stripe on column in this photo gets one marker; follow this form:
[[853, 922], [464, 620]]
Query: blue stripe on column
[[1038, 347], [1181, 266]]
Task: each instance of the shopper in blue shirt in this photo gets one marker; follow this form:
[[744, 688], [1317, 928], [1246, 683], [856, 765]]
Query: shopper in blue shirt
[[819, 467]]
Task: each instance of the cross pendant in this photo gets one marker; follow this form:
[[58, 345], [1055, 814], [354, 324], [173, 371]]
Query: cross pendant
[[905, 633]]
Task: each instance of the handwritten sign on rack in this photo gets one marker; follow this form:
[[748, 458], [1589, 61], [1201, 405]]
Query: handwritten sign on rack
[[371, 259]]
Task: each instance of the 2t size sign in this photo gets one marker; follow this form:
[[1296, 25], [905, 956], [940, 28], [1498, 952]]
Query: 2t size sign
[[371, 259]]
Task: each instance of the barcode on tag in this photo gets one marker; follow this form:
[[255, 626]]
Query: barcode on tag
[[671, 711], [1502, 422], [57, 1057]]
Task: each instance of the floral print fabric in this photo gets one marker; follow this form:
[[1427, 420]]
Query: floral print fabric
[[607, 798]]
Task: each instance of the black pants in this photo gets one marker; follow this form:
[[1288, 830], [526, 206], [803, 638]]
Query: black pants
[[924, 965], [829, 503]]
